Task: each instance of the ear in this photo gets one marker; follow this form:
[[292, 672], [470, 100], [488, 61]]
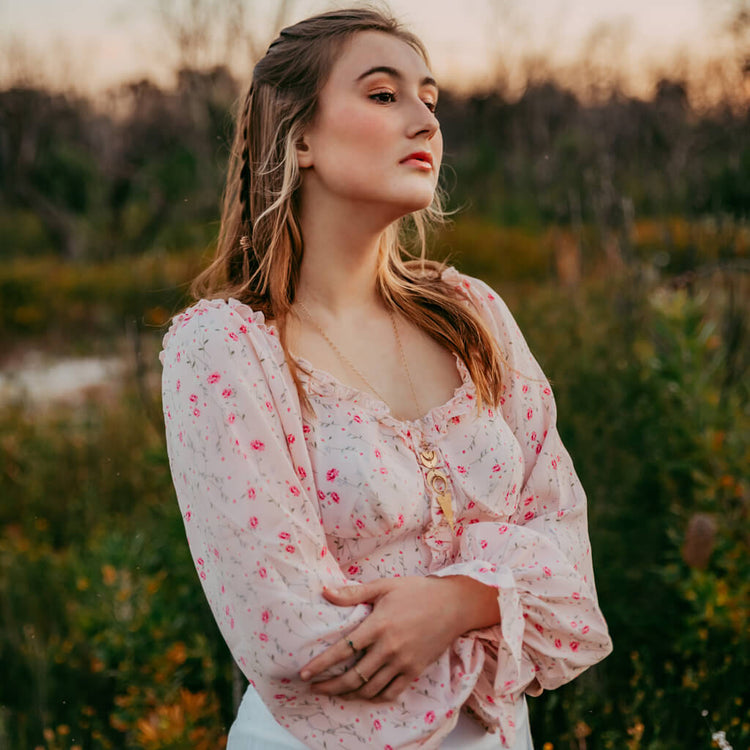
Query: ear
[[304, 153]]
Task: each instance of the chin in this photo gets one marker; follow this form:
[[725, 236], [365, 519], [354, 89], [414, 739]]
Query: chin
[[418, 206], [418, 201]]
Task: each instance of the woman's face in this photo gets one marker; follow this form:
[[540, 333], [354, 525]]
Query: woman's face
[[375, 111]]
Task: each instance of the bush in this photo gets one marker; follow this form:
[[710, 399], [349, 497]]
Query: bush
[[116, 646], [652, 390], [106, 641]]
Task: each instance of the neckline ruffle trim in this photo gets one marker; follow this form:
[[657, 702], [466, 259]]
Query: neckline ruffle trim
[[325, 385]]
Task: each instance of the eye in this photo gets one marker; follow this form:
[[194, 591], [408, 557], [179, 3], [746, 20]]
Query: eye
[[383, 97], [388, 97]]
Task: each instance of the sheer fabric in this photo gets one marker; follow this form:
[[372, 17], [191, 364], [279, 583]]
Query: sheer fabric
[[277, 505]]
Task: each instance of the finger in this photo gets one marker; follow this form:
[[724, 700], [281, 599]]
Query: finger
[[376, 684], [333, 655], [342, 685], [355, 678], [355, 593], [343, 650], [392, 691]]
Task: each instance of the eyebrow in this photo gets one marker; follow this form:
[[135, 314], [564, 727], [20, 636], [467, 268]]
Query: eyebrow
[[394, 73]]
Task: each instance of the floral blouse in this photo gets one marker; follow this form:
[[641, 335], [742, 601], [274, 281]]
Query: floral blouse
[[277, 505]]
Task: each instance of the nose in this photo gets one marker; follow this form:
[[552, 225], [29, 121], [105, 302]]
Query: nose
[[423, 122]]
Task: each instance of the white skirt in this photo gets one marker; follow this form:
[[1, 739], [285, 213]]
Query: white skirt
[[256, 729]]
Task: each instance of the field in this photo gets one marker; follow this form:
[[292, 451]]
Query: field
[[105, 639]]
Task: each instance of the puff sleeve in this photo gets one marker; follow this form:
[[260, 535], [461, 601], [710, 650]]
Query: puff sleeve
[[551, 628], [236, 445]]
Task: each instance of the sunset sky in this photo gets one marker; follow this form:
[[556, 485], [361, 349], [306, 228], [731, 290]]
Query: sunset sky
[[97, 43]]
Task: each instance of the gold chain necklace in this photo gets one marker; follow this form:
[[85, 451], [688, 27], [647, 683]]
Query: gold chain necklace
[[355, 369], [436, 478]]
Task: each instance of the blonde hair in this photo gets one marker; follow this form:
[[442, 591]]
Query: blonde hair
[[260, 243]]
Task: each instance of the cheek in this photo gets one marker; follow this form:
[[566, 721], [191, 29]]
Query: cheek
[[355, 131], [367, 127], [354, 152]]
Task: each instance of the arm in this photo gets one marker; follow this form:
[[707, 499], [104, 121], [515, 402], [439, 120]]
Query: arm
[[539, 562], [241, 471], [476, 602], [415, 619]]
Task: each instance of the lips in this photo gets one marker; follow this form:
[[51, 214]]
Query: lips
[[421, 159]]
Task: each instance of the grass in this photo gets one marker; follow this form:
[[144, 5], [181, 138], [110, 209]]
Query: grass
[[106, 641]]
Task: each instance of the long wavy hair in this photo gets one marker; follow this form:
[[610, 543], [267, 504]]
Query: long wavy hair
[[260, 244]]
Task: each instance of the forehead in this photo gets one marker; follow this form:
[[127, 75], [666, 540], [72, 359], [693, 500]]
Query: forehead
[[367, 49]]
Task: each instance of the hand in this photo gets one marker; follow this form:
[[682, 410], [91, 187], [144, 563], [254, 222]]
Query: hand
[[414, 620]]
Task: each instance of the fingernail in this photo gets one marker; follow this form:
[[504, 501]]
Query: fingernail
[[335, 592], [305, 675]]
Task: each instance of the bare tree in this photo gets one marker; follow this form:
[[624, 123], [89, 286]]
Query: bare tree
[[207, 33], [725, 80]]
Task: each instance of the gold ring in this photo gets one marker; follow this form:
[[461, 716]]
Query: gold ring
[[361, 676], [354, 650]]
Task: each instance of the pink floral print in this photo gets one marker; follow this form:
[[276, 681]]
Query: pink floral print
[[281, 505]]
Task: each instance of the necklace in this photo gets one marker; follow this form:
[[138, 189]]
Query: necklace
[[355, 369], [437, 480]]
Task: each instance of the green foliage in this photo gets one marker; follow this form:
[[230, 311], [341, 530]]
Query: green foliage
[[106, 640], [652, 392], [24, 232], [484, 248], [95, 301], [113, 183], [131, 174]]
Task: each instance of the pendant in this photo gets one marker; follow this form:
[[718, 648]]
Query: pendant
[[438, 482]]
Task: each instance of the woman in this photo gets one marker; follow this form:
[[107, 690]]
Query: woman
[[389, 532]]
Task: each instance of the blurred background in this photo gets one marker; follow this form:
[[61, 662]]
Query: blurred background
[[600, 157]]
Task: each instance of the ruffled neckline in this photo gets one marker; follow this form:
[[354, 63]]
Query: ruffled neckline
[[328, 386], [324, 384]]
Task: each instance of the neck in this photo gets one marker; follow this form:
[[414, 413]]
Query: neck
[[340, 263]]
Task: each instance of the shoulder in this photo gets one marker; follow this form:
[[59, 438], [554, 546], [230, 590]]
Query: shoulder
[[218, 326], [496, 315], [487, 300]]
